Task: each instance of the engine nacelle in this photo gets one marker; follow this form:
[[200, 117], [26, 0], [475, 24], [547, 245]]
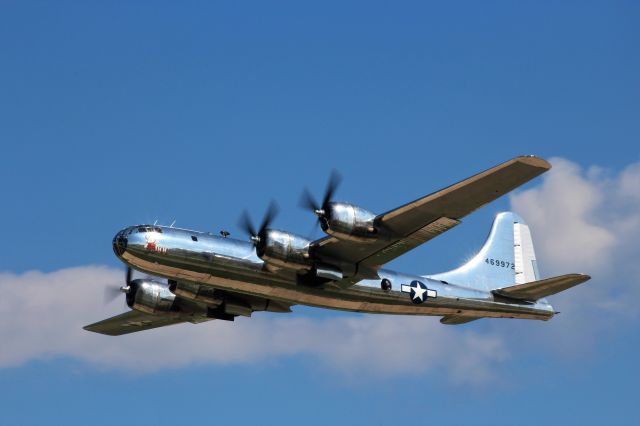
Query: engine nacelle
[[284, 249], [151, 297], [349, 222]]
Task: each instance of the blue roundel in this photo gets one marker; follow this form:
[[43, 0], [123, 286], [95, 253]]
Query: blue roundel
[[418, 292]]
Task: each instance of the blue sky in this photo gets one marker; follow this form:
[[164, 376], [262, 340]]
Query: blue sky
[[119, 113]]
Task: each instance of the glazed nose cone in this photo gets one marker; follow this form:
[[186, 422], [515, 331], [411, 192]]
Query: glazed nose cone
[[120, 243]]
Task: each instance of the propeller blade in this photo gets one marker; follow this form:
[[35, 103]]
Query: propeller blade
[[111, 293], [307, 201], [269, 215], [246, 225], [128, 276], [334, 181]]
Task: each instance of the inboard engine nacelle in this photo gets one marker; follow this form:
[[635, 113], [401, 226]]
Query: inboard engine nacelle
[[291, 251]]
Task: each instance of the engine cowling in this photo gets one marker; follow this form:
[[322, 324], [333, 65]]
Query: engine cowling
[[284, 249], [349, 222], [151, 297]]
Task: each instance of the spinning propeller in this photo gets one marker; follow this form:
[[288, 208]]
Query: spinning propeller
[[309, 203], [112, 292], [246, 224]]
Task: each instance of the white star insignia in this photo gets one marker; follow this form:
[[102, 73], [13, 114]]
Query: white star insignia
[[418, 292]]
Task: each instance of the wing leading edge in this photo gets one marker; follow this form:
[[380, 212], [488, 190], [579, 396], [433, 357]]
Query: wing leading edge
[[425, 218]]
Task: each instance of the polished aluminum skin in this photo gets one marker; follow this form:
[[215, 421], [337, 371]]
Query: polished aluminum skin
[[284, 249], [230, 264], [211, 277], [150, 297], [349, 222]]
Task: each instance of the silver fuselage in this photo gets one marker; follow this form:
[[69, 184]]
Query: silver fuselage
[[232, 265]]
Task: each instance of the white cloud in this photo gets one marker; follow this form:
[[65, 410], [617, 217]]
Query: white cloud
[[586, 221], [43, 315], [561, 213]]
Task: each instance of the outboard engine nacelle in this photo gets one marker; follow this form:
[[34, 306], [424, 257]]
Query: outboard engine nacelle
[[284, 249], [151, 297], [348, 222]]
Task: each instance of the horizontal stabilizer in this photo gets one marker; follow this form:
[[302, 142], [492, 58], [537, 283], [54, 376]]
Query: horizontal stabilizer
[[535, 290], [457, 319]]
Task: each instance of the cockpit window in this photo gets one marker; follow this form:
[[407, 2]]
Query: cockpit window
[[150, 229]]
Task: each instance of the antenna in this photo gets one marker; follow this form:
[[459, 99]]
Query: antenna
[[172, 223], [155, 222]]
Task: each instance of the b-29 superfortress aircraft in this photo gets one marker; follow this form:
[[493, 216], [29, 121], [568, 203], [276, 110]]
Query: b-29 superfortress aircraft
[[217, 277]]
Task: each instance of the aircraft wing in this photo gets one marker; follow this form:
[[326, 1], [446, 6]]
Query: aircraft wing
[[132, 321], [425, 218], [191, 311]]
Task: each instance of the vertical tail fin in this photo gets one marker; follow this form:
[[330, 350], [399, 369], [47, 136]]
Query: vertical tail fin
[[507, 258]]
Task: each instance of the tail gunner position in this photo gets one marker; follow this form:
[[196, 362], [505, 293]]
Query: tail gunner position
[[211, 277]]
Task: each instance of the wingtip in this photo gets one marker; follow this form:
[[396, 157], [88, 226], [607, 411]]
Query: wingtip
[[90, 328], [534, 161]]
